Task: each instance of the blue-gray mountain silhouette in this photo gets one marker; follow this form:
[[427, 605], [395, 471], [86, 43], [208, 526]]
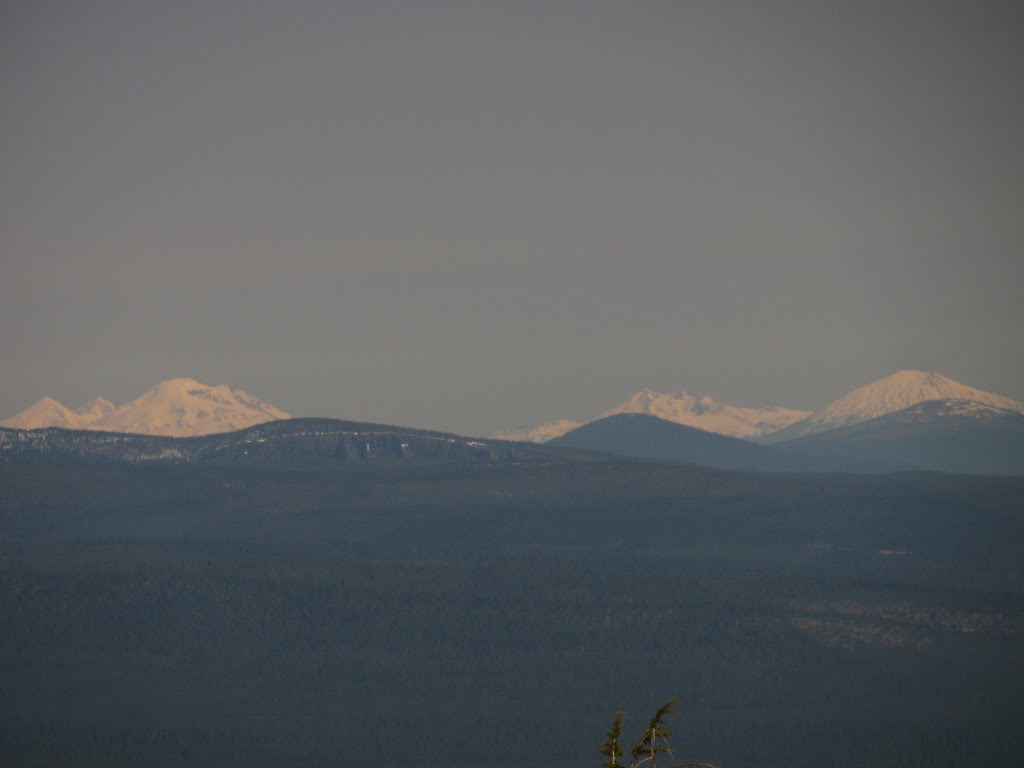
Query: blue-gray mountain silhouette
[[647, 437], [941, 435]]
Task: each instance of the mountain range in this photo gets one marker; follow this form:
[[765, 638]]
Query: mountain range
[[909, 420], [773, 424], [702, 412], [177, 407]]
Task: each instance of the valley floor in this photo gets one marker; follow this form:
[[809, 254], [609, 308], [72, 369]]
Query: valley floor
[[483, 615]]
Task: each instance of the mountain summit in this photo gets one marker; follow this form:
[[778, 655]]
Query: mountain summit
[[45, 412], [708, 414], [177, 407], [901, 390], [678, 407]]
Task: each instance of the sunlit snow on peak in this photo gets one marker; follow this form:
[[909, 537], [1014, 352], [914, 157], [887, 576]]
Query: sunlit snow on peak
[[893, 393], [176, 407]]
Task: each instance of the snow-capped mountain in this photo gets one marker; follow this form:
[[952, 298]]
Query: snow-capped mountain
[[679, 407], [893, 393], [177, 407], [708, 414], [45, 412]]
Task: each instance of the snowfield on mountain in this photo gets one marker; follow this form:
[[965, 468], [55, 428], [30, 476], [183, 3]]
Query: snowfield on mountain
[[893, 393], [177, 408]]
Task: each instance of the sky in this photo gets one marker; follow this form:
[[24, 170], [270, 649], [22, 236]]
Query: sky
[[475, 215]]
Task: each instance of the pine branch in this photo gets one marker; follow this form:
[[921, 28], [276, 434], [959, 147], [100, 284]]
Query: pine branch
[[648, 748], [611, 749]]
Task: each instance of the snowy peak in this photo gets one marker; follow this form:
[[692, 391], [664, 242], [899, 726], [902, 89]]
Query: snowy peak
[[679, 407], [647, 399], [902, 390], [45, 412], [182, 407], [897, 392], [177, 407], [96, 409], [708, 414]]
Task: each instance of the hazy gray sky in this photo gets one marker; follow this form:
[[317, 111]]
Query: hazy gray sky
[[471, 215]]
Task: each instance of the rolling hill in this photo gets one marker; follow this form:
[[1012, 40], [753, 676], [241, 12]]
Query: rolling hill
[[644, 436]]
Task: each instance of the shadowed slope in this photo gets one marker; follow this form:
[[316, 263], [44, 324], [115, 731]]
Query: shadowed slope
[[943, 435], [648, 437]]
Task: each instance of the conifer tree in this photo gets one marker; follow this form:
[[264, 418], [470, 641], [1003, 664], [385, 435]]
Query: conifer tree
[[611, 748], [654, 741]]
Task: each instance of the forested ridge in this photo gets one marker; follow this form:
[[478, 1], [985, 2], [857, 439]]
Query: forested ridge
[[299, 441], [497, 614]]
